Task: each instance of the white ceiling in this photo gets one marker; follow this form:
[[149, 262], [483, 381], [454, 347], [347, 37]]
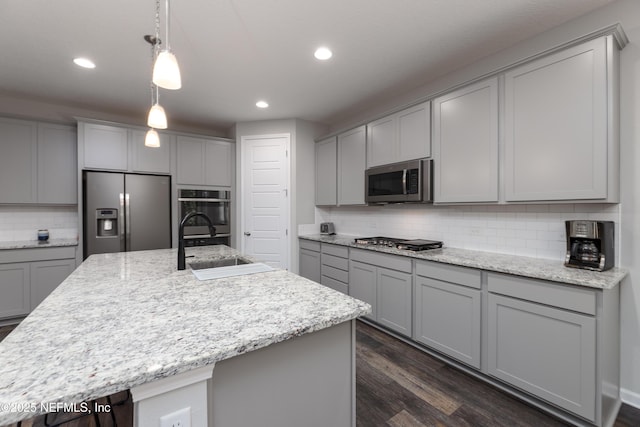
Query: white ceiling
[[235, 52]]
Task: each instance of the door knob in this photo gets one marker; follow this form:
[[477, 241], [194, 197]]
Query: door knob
[[246, 233]]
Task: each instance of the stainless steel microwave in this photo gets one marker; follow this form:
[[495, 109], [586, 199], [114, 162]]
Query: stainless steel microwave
[[410, 181]]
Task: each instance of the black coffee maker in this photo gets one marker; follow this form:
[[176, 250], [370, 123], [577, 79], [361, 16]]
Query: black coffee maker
[[590, 245]]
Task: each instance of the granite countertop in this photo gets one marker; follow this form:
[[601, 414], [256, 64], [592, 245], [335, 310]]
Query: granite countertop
[[535, 268], [126, 319], [29, 244]]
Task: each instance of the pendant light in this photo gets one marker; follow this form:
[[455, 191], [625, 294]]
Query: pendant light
[[152, 139], [166, 72], [157, 118]]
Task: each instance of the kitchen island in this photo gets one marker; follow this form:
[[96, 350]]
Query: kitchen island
[[280, 347]]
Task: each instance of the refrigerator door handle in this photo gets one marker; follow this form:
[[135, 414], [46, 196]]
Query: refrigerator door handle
[[127, 219], [121, 219]]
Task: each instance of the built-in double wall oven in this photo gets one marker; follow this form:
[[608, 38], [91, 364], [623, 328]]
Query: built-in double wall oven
[[216, 205]]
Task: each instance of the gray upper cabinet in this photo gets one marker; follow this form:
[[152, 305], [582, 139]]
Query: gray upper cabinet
[[18, 162], [38, 163], [120, 148], [405, 135], [57, 164], [558, 145], [352, 146], [150, 159], [465, 144], [203, 161], [447, 310], [326, 172], [105, 147]]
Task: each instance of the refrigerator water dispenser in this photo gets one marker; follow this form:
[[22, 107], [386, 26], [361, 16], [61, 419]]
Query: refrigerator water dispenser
[[107, 222]]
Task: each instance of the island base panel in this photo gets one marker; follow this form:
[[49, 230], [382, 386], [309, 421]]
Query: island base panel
[[306, 381]]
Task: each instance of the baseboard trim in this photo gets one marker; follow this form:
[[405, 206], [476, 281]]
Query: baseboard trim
[[630, 397]]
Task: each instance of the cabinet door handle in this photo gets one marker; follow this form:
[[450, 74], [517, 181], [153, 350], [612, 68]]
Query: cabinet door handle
[[246, 233]]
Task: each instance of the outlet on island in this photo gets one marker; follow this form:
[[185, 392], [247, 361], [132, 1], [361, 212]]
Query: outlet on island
[[180, 418]]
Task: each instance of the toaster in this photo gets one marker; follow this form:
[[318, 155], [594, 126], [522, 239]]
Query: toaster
[[327, 228]]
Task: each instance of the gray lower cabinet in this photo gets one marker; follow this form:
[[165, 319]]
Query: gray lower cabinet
[[543, 339], [362, 285], [447, 307], [14, 290], [385, 282], [46, 276], [334, 267], [310, 260], [28, 276]]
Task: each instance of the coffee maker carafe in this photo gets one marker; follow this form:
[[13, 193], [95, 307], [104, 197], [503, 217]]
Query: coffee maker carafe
[[590, 245]]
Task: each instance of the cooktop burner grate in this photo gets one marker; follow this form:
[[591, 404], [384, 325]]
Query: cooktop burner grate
[[406, 244]]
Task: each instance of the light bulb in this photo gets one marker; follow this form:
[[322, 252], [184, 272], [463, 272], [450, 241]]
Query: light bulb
[[166, 73], [152, 139], [157, 118]]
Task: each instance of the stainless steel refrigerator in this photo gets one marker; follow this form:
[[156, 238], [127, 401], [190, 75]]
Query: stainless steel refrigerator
[[125, 212]]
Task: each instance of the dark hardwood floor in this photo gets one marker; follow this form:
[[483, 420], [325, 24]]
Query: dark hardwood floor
[[399, 385], [396, 386]]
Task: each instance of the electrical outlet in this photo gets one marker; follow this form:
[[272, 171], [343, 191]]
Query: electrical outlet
[[180, 418]]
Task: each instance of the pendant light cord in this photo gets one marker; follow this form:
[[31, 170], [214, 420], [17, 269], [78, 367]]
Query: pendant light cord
[[167, 22]]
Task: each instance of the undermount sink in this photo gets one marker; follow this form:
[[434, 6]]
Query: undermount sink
[[218, 269], [215, 263]]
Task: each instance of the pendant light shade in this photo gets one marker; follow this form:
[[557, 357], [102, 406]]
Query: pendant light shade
[[166, 73], [157, 118], [152, 139]]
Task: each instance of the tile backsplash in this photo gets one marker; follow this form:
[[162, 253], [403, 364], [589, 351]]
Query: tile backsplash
[[527, 230], [19, 223]]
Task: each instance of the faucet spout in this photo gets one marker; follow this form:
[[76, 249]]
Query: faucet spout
[[187, 217]]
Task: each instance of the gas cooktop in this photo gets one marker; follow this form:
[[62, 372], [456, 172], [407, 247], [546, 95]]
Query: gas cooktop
[[407, 244]]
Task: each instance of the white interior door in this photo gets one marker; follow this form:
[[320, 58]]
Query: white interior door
[[265, 198]]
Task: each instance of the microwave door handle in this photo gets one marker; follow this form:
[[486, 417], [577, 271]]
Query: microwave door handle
[[404, 181]]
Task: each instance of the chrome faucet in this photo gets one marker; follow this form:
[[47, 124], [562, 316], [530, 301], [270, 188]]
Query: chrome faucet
[[187, 217]]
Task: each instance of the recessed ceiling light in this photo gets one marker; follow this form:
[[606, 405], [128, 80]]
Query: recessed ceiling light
[[84, 63], [262, 104], [323, 53]]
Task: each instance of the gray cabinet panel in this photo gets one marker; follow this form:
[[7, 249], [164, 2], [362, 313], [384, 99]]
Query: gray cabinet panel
[[18, 165], [335, 284], [14, 289], [352, 147], [555, 294], [57, 165], [105, 147], [150, 159], [311, 245], [448, 319], [382, 141], [335, 250], [393, 262], [46, 276], [218, 156], [545, 351], [465, 147], [450, 273], [326, 172], [190, 154], [555, 110], [335, 261], [362, 285], [394, 300], [310, 264], [414, 132]]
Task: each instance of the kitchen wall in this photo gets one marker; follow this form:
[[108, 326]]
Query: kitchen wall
[[19, 223], [527, 230]]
